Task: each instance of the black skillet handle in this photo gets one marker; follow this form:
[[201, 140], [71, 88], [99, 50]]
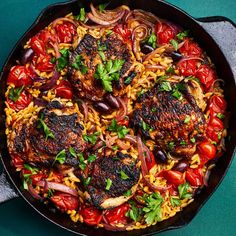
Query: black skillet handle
[[7, 192], [223, 31]]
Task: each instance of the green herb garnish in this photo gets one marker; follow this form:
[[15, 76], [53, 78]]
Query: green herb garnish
[[133, 213], [152, 40], [182, 35], [72, 152], [123, 175], [187, 119], [48, 133], [108, 184], [114, 148], [60, 157], [165, 86], [128, 193], [120, 130], [62, 61], [14, 94], [170, 70], [184, 191], [171, 145], [82, 164], [175, 44], [91, 158], [81, 16], [175, 201], [220, 116], [87, 181], [102, 6], [91, 138], [193, 140], [78, 64]]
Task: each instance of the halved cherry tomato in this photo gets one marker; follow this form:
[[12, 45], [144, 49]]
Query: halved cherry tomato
[[207, 150], [37, 177], [152, 162], [64, 90], [124, 122], [65, 32], [43, 63], [173, 177], [117, 215], [19, 76], [206, 75], [17, 161], [217, 105], [214, 128], [165, 32], [37, 45], [216, 123], [190, 48], [45, 37], [187, 67], [123, 32], [22, 102], [65, 201], [194, 176], [91, 215]]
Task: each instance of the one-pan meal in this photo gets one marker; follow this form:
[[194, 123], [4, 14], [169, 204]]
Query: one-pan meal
[[115, 117]]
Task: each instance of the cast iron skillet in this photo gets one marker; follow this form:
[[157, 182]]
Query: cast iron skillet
[[216, 35]]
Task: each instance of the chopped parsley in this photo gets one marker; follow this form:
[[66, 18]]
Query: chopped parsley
[[102, 55], [175, 201], [82, 164], [177, 94], [108, 72], [91, 138], [174, 44], [50, 193], [187, 119], [184, 191], [170, 70], [62, 61], [152, 40], [165, 86], [153, 109], [220, 116], [48, 133], [219, 135], [171, 145], [108, 184], [78, 64], [33, 170], [182, 35], [91, 158], [102, 6], [120, 130], [134, 212], [193, 140], [60, 157], [87, 181], [81, 16], [15, 93], [128, 193], [182, 143], [128, 80], [114, 148], [146, 126], [123, 175], [72, 152], [152, 209]]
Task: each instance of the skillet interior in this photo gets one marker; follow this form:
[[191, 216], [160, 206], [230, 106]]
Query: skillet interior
[[165, 11]]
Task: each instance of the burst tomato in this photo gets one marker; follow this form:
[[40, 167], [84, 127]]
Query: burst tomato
[[173, 177], [190, 48], [123, 32], [124, 122], [150, 163], [65, 201], [22, 102], [207, 150], [117, 215], [206, 75], [217, 105], [17, 161], [43, 63], [165, 32], [64, 90], [91, 215], [65, 32], [187, 67], [19, 76], [214, 129], [194, 176], [37, 45], [37, 177], [46, 37]]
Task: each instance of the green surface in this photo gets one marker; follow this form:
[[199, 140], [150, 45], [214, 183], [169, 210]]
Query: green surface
[[217, 217]]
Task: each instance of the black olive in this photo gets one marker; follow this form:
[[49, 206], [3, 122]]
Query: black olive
[[27, 56], [102, 107], [146, 48], [175, 56], [160, 156], [181, 166], [112, 101]]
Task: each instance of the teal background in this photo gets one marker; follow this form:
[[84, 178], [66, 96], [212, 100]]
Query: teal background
[[217, 217]]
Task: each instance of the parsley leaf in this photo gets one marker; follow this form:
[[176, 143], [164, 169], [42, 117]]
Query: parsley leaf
[[193, 140], [91, 138], [102, 7], [177, 94], [79, 65], [220, 116], [165, 86], [81, 16], [108, 184], [33, 170], [170, 70], [182, 35], [151, 41], [128, 193], [184, 191], [123, 175], [48, 133], [82, 164], [91, 158], [187, 119], [133, 213], [62, 61], [171, 145], [72, 152], [87, 181], [60, 157], [175, 44], [14, 94], [120, 130], [153, 208], [175, 201]]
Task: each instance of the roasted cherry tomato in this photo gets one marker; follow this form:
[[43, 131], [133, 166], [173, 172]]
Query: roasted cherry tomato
[[46, 37], [37, 177], [43, 63], [165, 32], [117, 214], [56, 177], [173, 177], [22, 102], [207, 150], [37, 45], [91, 215], [17, 161], [194, 176], [65, 201], [206, 75], [214, 129], [65, 32], [64, 90], [187, 67], [123, 32], [19, 75], [190, 48], [152, 162], [124, 122], [217, 105]]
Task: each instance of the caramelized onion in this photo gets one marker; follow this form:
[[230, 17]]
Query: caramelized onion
[[51, 83], [142, 157], [154, 67], [189, 58], [56, 49], [123, 145], [33, 192], [123, 110]]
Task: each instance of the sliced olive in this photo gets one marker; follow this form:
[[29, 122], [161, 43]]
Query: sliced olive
[[102, 107], [112, 101], [146, 48], [175, 56], [181, 166], [160, 156]]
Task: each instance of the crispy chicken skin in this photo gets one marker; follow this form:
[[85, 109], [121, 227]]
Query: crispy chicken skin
[[29, 140], [174, 123], [89, 48], [110, 167]]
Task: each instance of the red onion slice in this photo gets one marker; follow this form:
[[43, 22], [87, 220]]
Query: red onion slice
[[33, 192], [54, 23], [142, 157]]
